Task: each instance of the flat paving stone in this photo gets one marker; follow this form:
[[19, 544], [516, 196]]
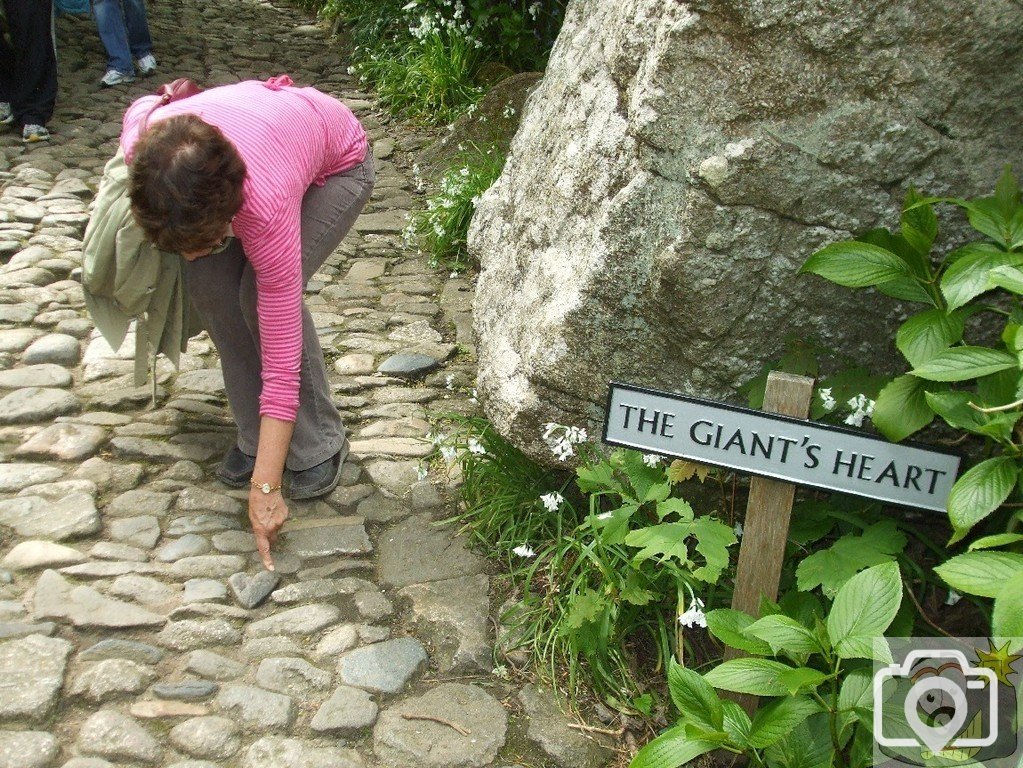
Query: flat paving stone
[[214, 666], [185, 690], [325, 537], [250, 591], [118, 648], [382, 667], [110, 734], [347, 711], [57, 598], [304, 620], [66, 442], [211, 737], [54, 348], [190, 634], [399, 741], [189, 545], [275, 752], [549, 729], [255, 708], [415, 551], [292, 676], [28, 555], [33, 516], [45, 376], [32, 670], [15, 477], [32, 404], [453, 616], [27, 749], [111, 678]]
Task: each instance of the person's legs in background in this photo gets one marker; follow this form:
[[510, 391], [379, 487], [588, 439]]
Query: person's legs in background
[[124, 30], [29, 67]]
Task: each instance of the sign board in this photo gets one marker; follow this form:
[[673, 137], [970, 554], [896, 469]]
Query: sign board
[[779, 447]]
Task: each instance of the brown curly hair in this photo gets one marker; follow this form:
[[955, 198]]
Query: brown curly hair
[[186, 183]]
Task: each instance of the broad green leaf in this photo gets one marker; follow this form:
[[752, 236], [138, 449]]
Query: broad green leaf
[[1009, 278], [999, 388], [728, 626], [863, 609], [954, 407], [597, 478], [995, 541], [777, 719], [926, 333], [919, 224], [967, 277], [906, 289], [964, 363], [801, 680], [901, 408], [614, 529], [683, 510], [635, 590], [811, 521], [672, 749], [807, 746], [979, 492], [694, 697], [657, 492], [855, 698], [1007, 617], [856, 265], [586, 607], [1012, 337], [980, 573], [713, 538], [737, 723], [664, 541], [643, 478], [919, 264], [785, 634], [831, 568], [1007, 192], [756, 676], [1003, 226]]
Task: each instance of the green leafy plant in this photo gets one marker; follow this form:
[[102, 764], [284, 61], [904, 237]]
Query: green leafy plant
[[606, 564], [440, 229], [812, 672], [962, 369]]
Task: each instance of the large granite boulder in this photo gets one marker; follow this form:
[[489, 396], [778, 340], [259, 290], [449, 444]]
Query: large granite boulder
[[678, 163]]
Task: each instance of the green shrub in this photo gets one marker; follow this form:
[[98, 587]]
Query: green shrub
[[607, 562], [957, 373], [440, 229]]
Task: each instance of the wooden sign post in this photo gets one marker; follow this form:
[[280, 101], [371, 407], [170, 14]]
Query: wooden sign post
[[766, 527]]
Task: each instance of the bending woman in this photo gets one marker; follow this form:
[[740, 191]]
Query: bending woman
[[255, 184]]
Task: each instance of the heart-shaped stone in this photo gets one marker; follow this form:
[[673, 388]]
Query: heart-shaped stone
[[250, 592]]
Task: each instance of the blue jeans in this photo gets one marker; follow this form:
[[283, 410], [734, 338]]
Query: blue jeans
[[124, 30]]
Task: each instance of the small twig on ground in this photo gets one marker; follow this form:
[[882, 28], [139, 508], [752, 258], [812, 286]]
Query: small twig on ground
[[442, 721], [593, 729]]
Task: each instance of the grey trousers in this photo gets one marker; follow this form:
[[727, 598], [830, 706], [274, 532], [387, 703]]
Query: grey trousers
[[222, 287]]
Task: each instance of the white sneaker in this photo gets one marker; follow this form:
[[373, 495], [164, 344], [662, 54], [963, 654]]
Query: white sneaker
[[30, 134], [6, 116], [146, 65], [113, 77]]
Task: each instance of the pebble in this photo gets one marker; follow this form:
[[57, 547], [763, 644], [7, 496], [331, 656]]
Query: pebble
[[67, 442], [53, 349], [295, 677], [189, 634], [116, 648], [207, 566], [212, 665], [200, 590], [133, 502], [33, 404], [46, 376], [28, 555], [256, 708], [189, 545], [111, 678], [304, 620], [142, 531]]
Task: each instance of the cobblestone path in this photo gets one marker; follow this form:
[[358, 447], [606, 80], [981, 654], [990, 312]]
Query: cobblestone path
[[136, 624]]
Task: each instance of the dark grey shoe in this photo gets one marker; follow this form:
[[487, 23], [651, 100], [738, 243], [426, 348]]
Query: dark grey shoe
[[319, 480], [235, 469]]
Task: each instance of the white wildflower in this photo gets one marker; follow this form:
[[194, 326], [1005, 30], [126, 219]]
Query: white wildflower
[[605, 515], [552, 501], [694, 615], [351, 70], [475, 447], [862, 407], [534, 10], [651, 459], [738, 530], [501, 671], [422, 472], [524, 550], [953, 597], [826, 399], [472, 398], [449, 452], [449, 381], [561, 439], [509, 110]]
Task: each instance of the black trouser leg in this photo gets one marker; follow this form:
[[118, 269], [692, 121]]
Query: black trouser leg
[[30, 69]]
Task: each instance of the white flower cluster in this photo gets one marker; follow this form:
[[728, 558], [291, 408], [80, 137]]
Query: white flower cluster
[[694, 615], [433, 21], [651, 459], [509, 111], [826, 399], [552, 501], [862, 407], [475, 447], [524, 550], [562, 440]]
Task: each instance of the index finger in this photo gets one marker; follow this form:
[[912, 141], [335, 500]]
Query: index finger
[[263, 547]]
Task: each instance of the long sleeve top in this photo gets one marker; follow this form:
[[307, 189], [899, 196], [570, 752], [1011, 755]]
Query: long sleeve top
[[289, 138]]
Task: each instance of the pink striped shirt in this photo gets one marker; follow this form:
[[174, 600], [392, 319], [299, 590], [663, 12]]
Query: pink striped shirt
[[289, 138]]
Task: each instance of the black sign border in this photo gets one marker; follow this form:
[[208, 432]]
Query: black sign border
[[774, 417]]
